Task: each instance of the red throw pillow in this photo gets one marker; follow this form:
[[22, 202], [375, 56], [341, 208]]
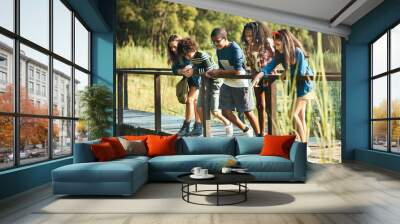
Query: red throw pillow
[[277, 145], [161, 145], [116, 145], [103, 152]]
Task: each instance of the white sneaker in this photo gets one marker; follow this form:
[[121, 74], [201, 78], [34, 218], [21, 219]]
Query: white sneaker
[[229, 130], [249, 133]]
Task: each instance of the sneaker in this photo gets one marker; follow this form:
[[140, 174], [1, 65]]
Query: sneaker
[[249, 133], [185, 129], [229, 130], [197, 130]]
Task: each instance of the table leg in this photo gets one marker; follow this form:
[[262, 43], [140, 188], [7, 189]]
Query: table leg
[[245, 193], [196, 187], [217, 194]]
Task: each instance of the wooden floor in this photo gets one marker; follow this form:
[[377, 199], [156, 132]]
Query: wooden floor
[[378, 189]]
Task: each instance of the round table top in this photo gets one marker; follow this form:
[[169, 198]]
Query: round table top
[[220, 178]]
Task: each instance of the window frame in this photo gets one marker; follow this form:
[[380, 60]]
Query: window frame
[[16, 114], [388, 74]]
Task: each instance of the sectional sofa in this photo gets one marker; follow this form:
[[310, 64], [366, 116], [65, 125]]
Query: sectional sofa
[[125, 176]]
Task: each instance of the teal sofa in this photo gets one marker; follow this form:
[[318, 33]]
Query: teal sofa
[[125, 176]]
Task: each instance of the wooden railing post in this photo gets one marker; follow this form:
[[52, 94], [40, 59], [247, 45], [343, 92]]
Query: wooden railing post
[[125, 91], [120, 109], [268, 106], [157, 103], [206, 109]]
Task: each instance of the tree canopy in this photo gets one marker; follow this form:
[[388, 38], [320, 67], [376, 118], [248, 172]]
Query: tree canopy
[[149, 23]]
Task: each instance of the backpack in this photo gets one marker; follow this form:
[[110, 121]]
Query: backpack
[[182, 88]]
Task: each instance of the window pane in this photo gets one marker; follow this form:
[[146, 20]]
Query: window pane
[[62, 89], [35, 21], [6, 74], [81, 45], [7, 14], [395, 94], [62, 29], [33, 139], [395, 47], [6, 142], [379, 135], [379, 97], [34, 97], [62, 138], [81, 81], [379, 55], [81, 131], [395, 138]]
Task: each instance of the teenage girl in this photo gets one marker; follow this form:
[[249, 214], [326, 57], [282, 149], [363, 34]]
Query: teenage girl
[[259, 51], [179, 66], [290, 53]]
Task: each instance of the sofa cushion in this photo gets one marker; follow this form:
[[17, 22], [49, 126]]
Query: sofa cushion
[[134, 147], [112, 171], [246, 145], [116, 145], [104, 152], [204, 145], [161, 145], [277, 145], [257, 163], [185, 163]]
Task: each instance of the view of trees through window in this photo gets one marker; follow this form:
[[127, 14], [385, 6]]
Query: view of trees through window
[[46, 86], [385, 94]]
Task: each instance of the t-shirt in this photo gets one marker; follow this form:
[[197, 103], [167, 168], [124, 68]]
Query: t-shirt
[[181, 63], [300, 68], [202, 62], [232, 58]]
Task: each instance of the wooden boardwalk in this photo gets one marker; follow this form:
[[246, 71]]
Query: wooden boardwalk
[[169, 124]]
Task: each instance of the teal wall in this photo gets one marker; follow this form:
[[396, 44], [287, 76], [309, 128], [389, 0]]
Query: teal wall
[[99, 15], [356, 99]]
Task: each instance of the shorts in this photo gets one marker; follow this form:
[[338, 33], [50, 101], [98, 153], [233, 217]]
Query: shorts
[[213, 86], [236, 98], [194, 81], [308, 96]]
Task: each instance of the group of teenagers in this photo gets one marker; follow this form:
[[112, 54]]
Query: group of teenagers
[[227, 97]]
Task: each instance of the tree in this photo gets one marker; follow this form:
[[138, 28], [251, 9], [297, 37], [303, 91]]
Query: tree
[[33, 131]]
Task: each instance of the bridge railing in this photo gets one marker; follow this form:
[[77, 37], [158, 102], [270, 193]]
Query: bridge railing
[[122, 99]]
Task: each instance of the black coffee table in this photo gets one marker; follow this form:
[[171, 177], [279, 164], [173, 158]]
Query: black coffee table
[[238, 179]]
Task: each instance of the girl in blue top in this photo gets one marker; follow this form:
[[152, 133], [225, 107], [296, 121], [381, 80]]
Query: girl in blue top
[[180, 66], [290, 53]]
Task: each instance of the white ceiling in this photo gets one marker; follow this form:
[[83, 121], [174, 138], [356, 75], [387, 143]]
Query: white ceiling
[[314, 15]]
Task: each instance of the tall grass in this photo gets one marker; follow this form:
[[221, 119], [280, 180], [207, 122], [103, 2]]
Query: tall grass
[[141, 87]]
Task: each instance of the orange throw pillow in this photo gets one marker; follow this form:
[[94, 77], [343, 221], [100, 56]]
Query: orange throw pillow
[[116, 145], [103, 152], [161, 145], [135, 137], [277, 145]]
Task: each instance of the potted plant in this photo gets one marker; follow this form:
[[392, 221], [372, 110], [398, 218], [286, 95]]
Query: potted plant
[[96, 104]]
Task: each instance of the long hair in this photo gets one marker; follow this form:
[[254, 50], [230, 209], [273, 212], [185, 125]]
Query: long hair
[[289, 44], [172, 57], [261, 33]]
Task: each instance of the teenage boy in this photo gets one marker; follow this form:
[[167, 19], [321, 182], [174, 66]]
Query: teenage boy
[[202, 63], [235, 94]]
